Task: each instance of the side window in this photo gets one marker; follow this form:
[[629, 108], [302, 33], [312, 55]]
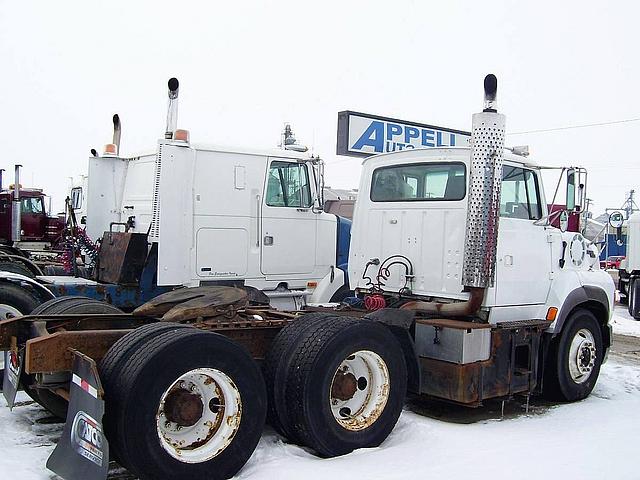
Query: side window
[[519, 197], [31, 205], [288, 185], [419, 182], [76, 198]]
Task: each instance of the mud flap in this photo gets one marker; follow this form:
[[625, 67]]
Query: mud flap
[[11, 378], [83, 451]]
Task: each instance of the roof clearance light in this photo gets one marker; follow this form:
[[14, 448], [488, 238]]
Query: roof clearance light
[[110, 149], [181, 135]]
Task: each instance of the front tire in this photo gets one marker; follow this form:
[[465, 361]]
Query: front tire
[[574, 358]]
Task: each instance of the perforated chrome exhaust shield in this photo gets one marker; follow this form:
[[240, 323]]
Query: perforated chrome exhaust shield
[[487, 144]]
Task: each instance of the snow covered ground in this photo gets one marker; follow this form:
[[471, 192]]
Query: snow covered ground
[[593, 439], [623, 323]]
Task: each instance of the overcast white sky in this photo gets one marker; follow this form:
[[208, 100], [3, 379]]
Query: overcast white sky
[[247, 67]]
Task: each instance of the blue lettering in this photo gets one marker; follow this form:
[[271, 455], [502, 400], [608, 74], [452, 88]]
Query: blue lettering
[[452, 139], [427, 138], [393, 129], [439, 139], [373, 136], [409, 133]]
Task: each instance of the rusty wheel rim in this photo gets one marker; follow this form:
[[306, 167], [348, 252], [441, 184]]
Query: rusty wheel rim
[[198, 415], [359, 390], [7, 311]]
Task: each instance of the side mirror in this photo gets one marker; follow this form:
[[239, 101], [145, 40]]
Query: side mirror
[[616, 220], [571, 189]]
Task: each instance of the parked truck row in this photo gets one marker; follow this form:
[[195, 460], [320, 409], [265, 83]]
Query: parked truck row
[[463, 291]]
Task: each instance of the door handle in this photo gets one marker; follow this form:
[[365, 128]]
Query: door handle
[[268, 240]]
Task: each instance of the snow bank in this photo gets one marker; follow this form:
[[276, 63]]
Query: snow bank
[[592, 439], [624, 324]]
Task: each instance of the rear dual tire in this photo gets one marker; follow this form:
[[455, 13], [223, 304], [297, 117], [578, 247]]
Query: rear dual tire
[[344, 384], [54, 403], [634, 298], [184, 385]]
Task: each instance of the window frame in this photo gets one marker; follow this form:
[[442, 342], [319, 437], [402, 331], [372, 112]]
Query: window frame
[[300, 165], [526, 191], [464, 169], [74, 189]]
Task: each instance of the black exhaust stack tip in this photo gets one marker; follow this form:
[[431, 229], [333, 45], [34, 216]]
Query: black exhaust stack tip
[[490, 90], [116, 121], [173, 85], [94, 152]]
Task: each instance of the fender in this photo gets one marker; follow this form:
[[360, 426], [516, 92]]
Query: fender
[[579, 296], [18, 279]]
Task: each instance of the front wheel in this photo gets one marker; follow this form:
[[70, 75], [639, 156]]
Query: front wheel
[[574, 358]]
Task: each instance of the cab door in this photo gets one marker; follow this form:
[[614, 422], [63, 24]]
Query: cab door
[[523, 266], [288, 226]]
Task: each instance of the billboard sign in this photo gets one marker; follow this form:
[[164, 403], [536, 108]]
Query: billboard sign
[[363, 135]]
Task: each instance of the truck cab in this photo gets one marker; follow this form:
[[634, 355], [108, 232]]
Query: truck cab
[[413, 205], [36, 225], [224, 214]]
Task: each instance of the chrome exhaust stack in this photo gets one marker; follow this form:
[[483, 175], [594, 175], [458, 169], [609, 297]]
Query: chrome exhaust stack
[[117, 132], [16, 219], [483, 210], [172, 111]]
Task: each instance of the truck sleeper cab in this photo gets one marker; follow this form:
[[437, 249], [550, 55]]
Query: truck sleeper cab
[[223, 215]]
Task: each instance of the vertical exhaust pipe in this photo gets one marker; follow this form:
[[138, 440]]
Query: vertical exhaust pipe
[[172, 111], [117, 131], [483, 210], [16, 223]]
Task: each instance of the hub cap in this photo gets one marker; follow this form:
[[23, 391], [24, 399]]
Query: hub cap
[[582, 356], [359, 390], [198, 415]]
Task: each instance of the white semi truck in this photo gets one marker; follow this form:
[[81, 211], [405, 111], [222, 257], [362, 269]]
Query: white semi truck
[[467, 292], [185, 215]]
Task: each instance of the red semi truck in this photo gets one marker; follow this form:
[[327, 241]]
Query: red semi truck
[[24, 222]]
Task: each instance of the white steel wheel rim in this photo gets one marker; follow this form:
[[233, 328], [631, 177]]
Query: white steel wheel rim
[[7, 311], [582, 355], [214, 428], [359, 390]]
